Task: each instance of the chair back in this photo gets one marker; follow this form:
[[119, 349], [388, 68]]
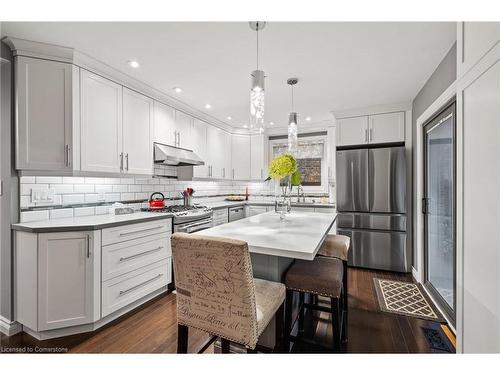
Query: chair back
[[215, 288]]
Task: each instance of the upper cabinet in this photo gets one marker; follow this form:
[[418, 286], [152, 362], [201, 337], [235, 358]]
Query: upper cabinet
[[218, 153], [240, 151], [373, 129], [101, 124], [164, 124], [183, 128], [199, 142], [258, 157], [46, 92], [137, 128], [474, 40]]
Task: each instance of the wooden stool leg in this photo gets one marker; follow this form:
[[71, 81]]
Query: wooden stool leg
[[301, 312], [182, 338], [288, 319], [336, 323], [279, 329], [345, 303], [225, 346]]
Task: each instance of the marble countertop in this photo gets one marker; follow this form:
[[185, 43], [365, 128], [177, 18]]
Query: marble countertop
[[228, 204], [88, 222], [299, 236]]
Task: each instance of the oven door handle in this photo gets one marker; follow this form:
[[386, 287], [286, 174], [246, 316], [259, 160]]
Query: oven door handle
[[195, 224]]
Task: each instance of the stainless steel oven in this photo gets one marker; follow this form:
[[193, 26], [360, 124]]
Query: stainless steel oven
[[194, 226]]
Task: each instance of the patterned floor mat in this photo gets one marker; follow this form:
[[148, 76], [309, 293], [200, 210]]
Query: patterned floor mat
[[403, 298]]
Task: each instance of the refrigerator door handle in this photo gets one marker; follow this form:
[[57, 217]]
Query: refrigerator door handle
[[425, 206]]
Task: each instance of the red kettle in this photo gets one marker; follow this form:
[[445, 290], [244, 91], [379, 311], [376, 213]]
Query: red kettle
[[157, 202]]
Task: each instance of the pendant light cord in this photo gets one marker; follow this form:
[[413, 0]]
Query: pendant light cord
[[292, 97], [257, 46]]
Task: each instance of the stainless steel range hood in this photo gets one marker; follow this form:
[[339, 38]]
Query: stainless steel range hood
[[175, 156]]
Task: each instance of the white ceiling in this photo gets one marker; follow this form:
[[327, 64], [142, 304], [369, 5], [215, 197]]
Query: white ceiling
[[340, 65]]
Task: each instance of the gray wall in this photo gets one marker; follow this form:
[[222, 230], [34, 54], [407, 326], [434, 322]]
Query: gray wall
[[444, 75], [9, 199]]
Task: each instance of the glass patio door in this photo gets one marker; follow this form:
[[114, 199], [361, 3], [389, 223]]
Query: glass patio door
[[438, 207]]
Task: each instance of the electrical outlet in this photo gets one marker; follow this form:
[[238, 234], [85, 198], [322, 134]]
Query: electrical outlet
[[42, 196]]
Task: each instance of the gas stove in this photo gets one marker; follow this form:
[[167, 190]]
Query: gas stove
[[185, 214]]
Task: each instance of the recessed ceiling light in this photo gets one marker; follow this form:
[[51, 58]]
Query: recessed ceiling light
[[208, 106], [229, 118], [133, 64], [177, 89], [271, 123], [308, 118]]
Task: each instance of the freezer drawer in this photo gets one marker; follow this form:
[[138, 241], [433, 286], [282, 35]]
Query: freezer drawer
[[378, 250], [389, 222]]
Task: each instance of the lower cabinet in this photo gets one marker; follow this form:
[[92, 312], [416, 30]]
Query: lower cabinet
[[68, 279], [221, 216]]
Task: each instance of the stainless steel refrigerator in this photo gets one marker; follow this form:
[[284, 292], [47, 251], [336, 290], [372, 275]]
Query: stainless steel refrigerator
[[371, 205]]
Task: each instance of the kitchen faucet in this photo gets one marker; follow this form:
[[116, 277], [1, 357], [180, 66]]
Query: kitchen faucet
[[299, 189]]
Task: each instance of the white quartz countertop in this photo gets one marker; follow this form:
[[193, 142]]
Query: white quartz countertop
[[299, 236], [88, 222], [227, 204]]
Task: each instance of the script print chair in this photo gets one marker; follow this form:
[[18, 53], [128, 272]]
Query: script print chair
[[216, 293]]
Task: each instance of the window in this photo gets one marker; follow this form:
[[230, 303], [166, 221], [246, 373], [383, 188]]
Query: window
[[311, 161]]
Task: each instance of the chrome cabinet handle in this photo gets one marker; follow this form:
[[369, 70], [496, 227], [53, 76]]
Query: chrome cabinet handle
[[224, 172], [88, 246], [141, 254], [366, 135], [179, 142], [233, 173], [370, 138], [140, 230], [121, 161], [126, 159], [122, 292], [66, 156]]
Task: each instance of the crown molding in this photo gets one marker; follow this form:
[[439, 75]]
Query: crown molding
[[372, 110], [47, 51]]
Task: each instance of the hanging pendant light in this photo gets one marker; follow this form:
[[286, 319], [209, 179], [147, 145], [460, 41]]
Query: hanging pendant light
[[293, 126], [257, 88]]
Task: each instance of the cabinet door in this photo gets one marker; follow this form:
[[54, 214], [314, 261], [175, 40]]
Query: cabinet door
[[352, 131], [226, 156], [65, 279], [215, 144], [164, 124], [478, 103], [387, 128], [240, 151], [474, 40], [199, 136], [101, 124], [137, 125], [258, 162], [183, 126], [44, 114]]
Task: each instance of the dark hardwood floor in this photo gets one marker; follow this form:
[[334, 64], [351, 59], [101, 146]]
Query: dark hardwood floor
[[153, 328]]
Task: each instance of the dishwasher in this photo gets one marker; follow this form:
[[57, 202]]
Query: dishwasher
[[236, 213]]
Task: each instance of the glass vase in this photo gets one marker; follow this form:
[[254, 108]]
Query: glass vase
[[283, 200]]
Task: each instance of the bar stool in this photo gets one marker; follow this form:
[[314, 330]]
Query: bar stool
[[319, 277], [337, 246], [216, 293]]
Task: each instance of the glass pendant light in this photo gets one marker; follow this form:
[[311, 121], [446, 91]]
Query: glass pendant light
[[257, 88], [293, 126]]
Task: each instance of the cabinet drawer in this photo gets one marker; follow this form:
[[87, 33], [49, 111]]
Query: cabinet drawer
[[220, 222], [126, 289], [132, 231], [128, 256], [220, 214]]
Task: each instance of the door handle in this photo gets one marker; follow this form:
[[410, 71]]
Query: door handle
[[66, 155], [224, 172], [425, 206], [126, 159], [366, 135], [121, 161], [88, 246], [233, 173], [370, 137]]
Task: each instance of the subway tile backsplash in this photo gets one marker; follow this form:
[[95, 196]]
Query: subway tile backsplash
[[86, 196]]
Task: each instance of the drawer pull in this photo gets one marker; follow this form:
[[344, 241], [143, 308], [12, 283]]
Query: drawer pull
[[140, 230], [141, 254], [122, 292]]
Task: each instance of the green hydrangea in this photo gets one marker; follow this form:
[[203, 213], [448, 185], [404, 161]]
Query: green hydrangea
[[282, 166]]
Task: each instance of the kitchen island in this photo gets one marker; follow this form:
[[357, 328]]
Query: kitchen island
[[275, 243]]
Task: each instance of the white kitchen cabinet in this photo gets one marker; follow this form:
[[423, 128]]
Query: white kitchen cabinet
[[218, 153], [352, 131], [101, 124], [66, 268], [474, 40], [240, 153], [199, 143], [164, 124], [183, 128], [387, 128], [372, 129], [220, 216], [478, 169], [137, 126], [46, 93], [226, 161], [258, 157]]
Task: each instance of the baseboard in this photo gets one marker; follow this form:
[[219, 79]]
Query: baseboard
[[8, 327], [415, 274]]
